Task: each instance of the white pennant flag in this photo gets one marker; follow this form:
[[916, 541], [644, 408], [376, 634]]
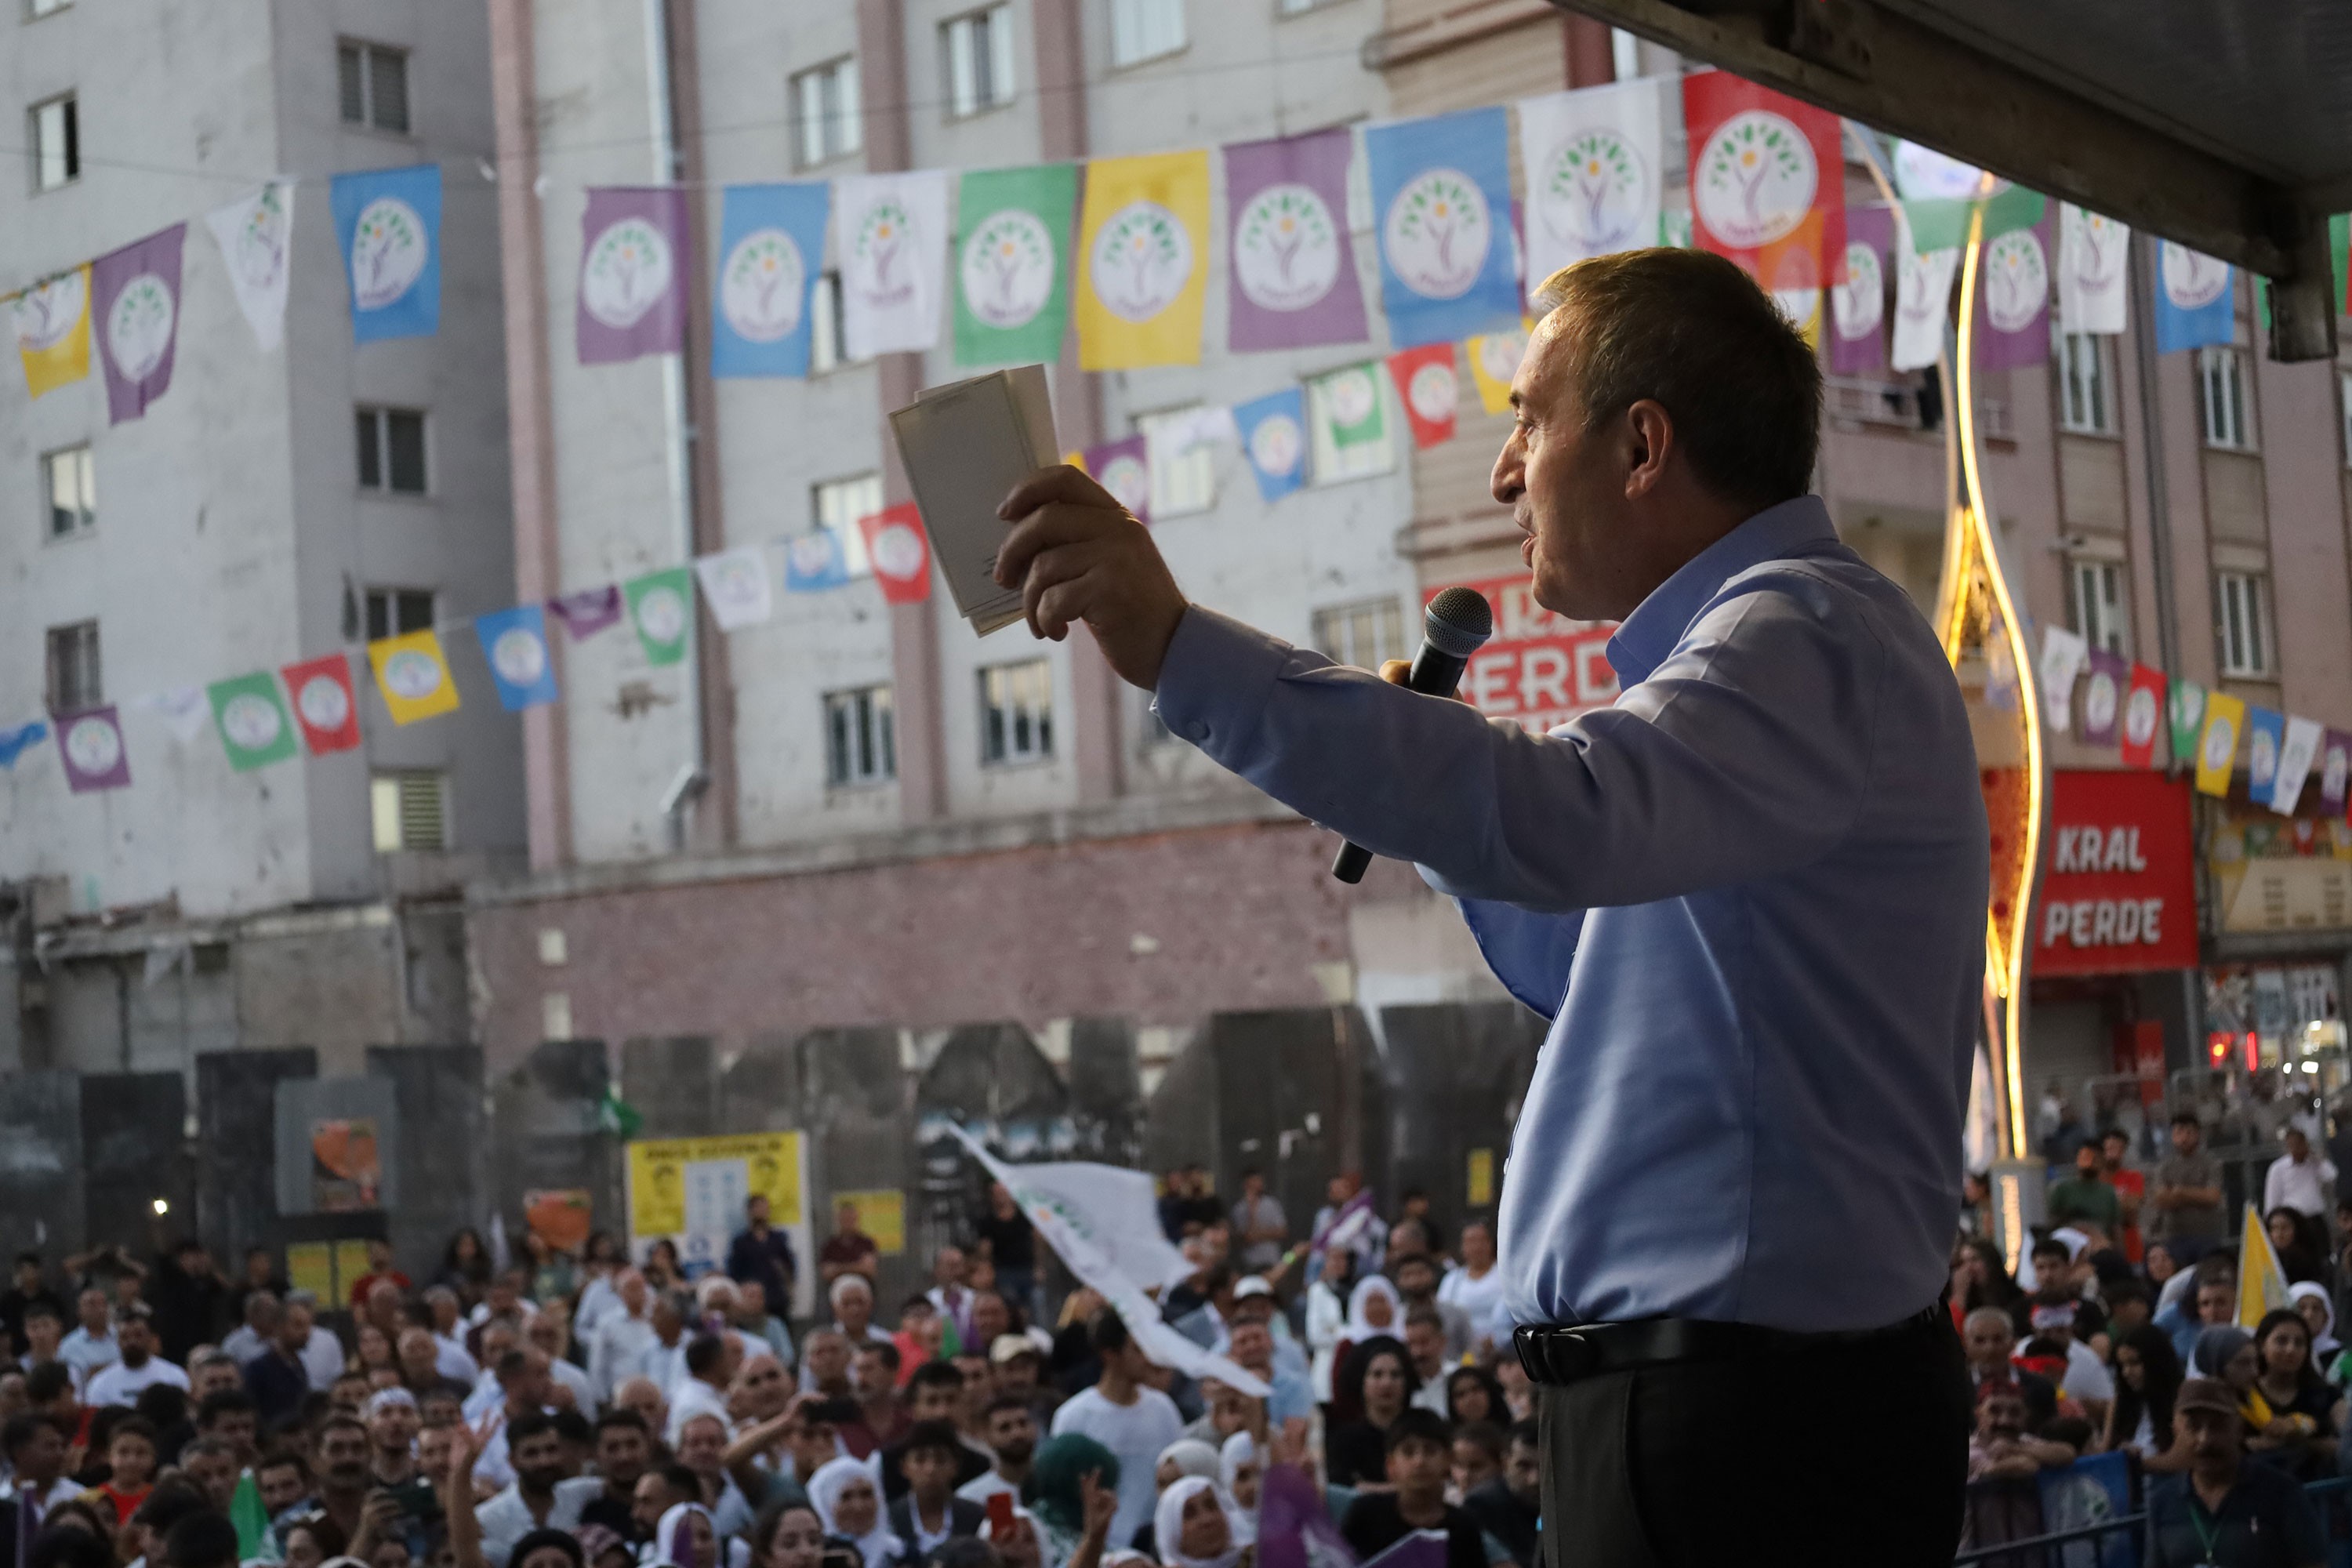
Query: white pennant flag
[[735, 585], [2092, 270], [2294, 758], [256, 237], [1594, 169], [890, 233], [1923, 296], [184, 709], [2063, 654]]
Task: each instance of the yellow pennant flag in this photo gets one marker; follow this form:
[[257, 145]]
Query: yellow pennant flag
[[1143, 260], [2217, 748], [1494, 361], [2262, 1283], [412, 674], [52, 322]]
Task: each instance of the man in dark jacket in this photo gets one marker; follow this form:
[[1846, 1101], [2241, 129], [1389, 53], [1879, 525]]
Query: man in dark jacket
[[1508, 1506], [929, 1512]]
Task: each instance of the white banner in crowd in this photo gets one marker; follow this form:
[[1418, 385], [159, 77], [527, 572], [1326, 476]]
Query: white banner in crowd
[[256, 235], [1103, 1221], [1594, 160], [2092, 270], [891, 232]]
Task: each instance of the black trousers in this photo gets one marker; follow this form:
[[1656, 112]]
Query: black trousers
[[1841, 1453]]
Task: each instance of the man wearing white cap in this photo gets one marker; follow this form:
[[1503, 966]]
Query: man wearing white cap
[[2087, 1378]]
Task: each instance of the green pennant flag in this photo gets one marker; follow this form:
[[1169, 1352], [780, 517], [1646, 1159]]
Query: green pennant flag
[[661, 607], [1937, 222], [2188, 705], [252, 1520], [1012, 263], [1348, 403], [2013, 208], [2339, 255], [617, 1115], [252, 720]]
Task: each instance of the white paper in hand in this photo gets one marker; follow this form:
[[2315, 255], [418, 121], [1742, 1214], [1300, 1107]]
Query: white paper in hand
[[965, 446]]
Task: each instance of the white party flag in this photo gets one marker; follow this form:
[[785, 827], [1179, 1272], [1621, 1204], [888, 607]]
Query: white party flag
[[2063, 654], [1923, 296], [2297, 753], [1594, 171], [735, 585], [891, 232], [256, 235], [186, 710], [2093, 270]]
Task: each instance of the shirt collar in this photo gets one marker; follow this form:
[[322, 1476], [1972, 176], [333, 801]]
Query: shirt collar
[[1643, 638]]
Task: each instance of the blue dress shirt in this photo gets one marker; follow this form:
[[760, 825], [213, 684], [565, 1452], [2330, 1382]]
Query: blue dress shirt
[[1750, 897]]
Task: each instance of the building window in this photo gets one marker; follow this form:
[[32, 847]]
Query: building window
[[827, 330], [859, 747], [73, 674], [1361, 633], [1016, 712], [977, 53], [410, 810], [72, 488], [56, 143], [1145, 29], [391, 450], [394, 612], [2222, 389], [1183, 479], [2095, 604], [838, 504], [2086, 401], [826, 112], [2246, 626], [374, 84]]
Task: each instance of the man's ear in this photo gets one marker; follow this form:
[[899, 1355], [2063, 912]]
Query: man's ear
[[1650, 439]]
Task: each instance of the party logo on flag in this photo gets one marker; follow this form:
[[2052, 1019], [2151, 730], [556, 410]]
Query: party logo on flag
[[2186, 710], [1294, 267], [1441, 207], [91, 742], [2217, 749], [414, 676], [1352, 400], [324, 705], [816, 560], [632, 279], [2103, 697], [1273, 434], [1437, 232], [1426, 381], [52, 322], [1012, 263], [387, 222], [514, 642], [588, 611], [2143, 710], [900, 554], [2296, 752], [2013, 299], [893, 239], [1923, 294], [1593, 157], [1142, 260], [1858, 300], [1123, 467], [1594, 191], [184, 709], [1007, 268], [1141, 287], [2266, 728], [1754, 180], [760, 284], [2193, 303], [1494, 363], [735, 585], [389, 250], [2335, 769], [251, 717], [1285, 248], [2192, 279], [256, 235], [137, 319], [2091, 248], [770, 245], [661, 607], [627, 270]]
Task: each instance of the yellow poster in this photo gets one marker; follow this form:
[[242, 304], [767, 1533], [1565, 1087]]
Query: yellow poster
[[311, 1266], [1494, 361], [351, 1265], [414, 676], [52, 322], [1143, 260], [882, 1214], [1482, 1178], [2217, 749], [679, 1186]]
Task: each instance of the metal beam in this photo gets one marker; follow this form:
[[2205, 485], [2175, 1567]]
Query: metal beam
[[1871, 63]]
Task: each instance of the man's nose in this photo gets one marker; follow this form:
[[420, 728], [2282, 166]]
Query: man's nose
[[1508, 481]]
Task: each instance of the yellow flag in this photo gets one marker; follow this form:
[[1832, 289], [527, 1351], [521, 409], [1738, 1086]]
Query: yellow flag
[[52, 322], [1143, 260], [1493, 360], [2262, 1283], [2217, 749], [412, 674]]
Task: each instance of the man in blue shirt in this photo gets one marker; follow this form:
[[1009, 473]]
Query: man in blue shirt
[[1750, 896]]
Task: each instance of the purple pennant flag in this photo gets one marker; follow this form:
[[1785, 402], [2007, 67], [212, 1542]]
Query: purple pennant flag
[[633, 264], [2103, 696], [2013, 296], [1124, 469], [91, 743], [589, 611], [136, 321], [1294, 268], [2333, 767], [1292, 1527], [1858, 304]]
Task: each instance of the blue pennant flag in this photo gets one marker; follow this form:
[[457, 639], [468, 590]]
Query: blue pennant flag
[[388, 221], [1274, 433], [1442, 212], [515, 643], [2265, 734], [16, 742], [2196, 299], [814, 561], [771, 250]]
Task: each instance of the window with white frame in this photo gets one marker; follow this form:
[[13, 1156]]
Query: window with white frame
[[827, 330], [2245, 629], [826, 119], [1016, 712], [1183, 470], [859, 746], [74, 682], [2087, 399], [976, 51], [395, 612], [409, 810], [1362, 632], [56, 143], [372, 82], [2095, 604], [70, 487], [838, 504], [1145, 29], [2222, 392], [391, 450]]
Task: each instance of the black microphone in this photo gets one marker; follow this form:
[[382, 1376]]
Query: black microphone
[[1456, 626]]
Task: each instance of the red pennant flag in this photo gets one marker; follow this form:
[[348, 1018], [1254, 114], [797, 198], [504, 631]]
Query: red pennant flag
[[1425, 385], [323, 703], [1760, 162], [902, 553], [2143, 721]]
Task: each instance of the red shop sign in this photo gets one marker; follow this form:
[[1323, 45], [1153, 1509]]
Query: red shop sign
[[2118, 889], [1539, 669]]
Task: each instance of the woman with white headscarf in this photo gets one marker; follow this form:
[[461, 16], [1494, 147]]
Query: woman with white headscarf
[[1193, 1528], [1241, 1470], [848, 1494], [2310, 1298], [684, 1538], [1184, 1456]]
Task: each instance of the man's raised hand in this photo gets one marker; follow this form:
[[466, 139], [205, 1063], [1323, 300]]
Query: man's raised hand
[[1077, 555]]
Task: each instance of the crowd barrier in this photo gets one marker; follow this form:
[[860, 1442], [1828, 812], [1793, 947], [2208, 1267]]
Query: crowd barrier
[[2080, 1516]]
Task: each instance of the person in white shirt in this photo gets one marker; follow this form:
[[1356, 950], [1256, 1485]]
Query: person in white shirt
[[853, 1311], [137, 1367], [551, 1334], [524, 1387], [1475, 1284], [1012, 1441], [2299, 1179], [251, 1339], [498, 1341], [710, 1364], [539, 1496], [622, 1338], [92, 1345], [455, 1362], [1126, 1416], [322, 1352], [2087, 1379]]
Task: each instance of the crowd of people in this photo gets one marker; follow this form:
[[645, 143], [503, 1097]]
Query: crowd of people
[[553, 1410]]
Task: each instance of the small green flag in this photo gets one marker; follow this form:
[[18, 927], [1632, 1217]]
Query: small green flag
[[2339, 254], [252, 1520], [1348, 403], [2013, 208], [252, 720], [617, 1115], [1012, 263], [1937, 222], [661, 606], [2188, 719]]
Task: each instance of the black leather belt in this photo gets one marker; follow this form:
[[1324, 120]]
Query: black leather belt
[[1559, 1355]]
